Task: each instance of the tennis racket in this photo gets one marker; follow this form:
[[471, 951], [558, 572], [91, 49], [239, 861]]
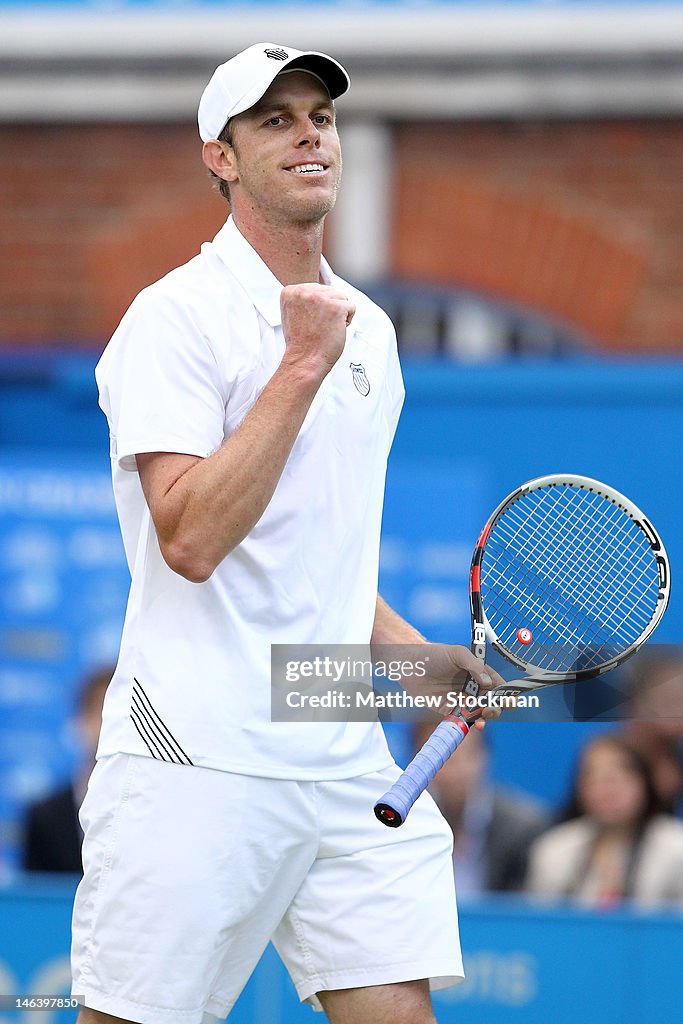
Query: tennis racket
[[567, 580]]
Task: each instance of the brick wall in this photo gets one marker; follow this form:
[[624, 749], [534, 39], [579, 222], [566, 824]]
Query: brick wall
[[89, 215], [584, 221]]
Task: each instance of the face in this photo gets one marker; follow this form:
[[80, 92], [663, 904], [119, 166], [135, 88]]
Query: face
[[611, 789], [285, 161]]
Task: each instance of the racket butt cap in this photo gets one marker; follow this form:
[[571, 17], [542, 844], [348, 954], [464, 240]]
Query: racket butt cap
[[388, 815]]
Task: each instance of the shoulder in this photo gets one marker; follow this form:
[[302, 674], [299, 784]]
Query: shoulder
[[666, 833], [202, 286], [196, 314], [369, 316], [201, 289], [659, 872], [555, 857], [565, 839]]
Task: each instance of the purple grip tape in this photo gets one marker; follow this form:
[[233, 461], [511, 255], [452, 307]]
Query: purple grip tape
[[393, 808]]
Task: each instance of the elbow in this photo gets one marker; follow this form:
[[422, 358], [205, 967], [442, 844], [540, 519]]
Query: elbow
[[187, 562], [195, 573]]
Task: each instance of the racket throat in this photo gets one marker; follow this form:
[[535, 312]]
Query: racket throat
[[471, 688], [479, 641]]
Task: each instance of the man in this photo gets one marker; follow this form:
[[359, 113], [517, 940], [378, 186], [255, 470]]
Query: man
[[53, 835], [252, 398]]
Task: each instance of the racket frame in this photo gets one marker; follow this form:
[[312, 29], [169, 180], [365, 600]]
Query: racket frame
[[482, 631], [394, 807]]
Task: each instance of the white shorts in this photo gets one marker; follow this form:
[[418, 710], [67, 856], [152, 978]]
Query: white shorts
[[189, 872]]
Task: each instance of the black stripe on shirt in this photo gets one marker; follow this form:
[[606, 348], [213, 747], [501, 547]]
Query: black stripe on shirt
[[161, 733]]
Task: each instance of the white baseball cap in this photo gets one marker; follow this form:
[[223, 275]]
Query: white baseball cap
[[241, 82]]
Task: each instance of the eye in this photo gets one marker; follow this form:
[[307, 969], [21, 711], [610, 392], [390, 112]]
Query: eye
[[322, 119], [276, 120]]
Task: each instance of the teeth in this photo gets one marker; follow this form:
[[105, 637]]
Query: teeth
[[305, 168]]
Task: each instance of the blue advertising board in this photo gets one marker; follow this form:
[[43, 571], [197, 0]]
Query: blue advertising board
[[63, 588], [523, 963], [467, 436]]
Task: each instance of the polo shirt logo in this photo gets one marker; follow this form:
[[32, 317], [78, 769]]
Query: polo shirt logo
[[360, 381], [276, 54]]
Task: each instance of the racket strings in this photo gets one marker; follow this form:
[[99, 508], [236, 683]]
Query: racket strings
[[626, 562], [621, 545], [573, 555], [595, 616], [561, 573], [568, 635], [623, 542], [576, 570], [570, 555]]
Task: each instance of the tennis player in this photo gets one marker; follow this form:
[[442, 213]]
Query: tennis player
[[252, 398]]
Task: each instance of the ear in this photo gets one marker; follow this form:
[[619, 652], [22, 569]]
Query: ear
[[219, 157]]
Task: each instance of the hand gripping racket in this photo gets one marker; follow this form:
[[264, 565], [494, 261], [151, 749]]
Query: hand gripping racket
[[567, 580]]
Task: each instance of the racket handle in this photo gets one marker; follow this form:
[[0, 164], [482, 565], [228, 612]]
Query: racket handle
[[393, 808]]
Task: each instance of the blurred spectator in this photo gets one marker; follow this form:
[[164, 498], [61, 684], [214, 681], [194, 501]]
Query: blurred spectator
[[493, 828], [53, 835], [615, 843], [656, 721]]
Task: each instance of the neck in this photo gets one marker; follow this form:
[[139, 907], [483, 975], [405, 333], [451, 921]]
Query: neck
[[617, 831], [290, 251]]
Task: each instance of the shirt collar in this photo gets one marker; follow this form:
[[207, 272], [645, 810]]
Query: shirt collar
[[259, 282]]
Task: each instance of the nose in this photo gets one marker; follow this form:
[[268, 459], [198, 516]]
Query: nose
[[309, 135]]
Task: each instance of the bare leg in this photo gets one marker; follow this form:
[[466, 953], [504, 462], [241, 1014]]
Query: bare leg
[[88, 1016], [407, 1002]]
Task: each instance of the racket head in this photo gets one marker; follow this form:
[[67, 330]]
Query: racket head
[[568, 578]]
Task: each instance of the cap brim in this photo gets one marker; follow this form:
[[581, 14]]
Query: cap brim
[[332, 75]]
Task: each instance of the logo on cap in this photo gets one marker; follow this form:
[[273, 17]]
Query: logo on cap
[[276, 54]]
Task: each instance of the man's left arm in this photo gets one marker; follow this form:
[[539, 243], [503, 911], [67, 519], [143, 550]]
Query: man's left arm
[[448, 665]]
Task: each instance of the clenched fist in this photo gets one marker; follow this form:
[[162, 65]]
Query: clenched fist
[[314, 322]]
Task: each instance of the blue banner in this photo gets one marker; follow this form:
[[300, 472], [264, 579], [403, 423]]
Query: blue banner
[[467, 436], [63, 585], [524, 964]]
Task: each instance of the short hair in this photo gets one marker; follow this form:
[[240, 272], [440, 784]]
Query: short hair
[[652, 804]]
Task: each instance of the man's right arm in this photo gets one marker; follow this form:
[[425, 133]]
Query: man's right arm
[[203, 508]]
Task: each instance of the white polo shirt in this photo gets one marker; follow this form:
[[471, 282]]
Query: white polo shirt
[[187, 362]]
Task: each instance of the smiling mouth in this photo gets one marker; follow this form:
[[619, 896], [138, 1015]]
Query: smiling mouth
[[307, 168]]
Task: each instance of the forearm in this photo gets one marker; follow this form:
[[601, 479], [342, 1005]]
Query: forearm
[[212, 507], [203, 508], [439, 670], [390, 628]]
